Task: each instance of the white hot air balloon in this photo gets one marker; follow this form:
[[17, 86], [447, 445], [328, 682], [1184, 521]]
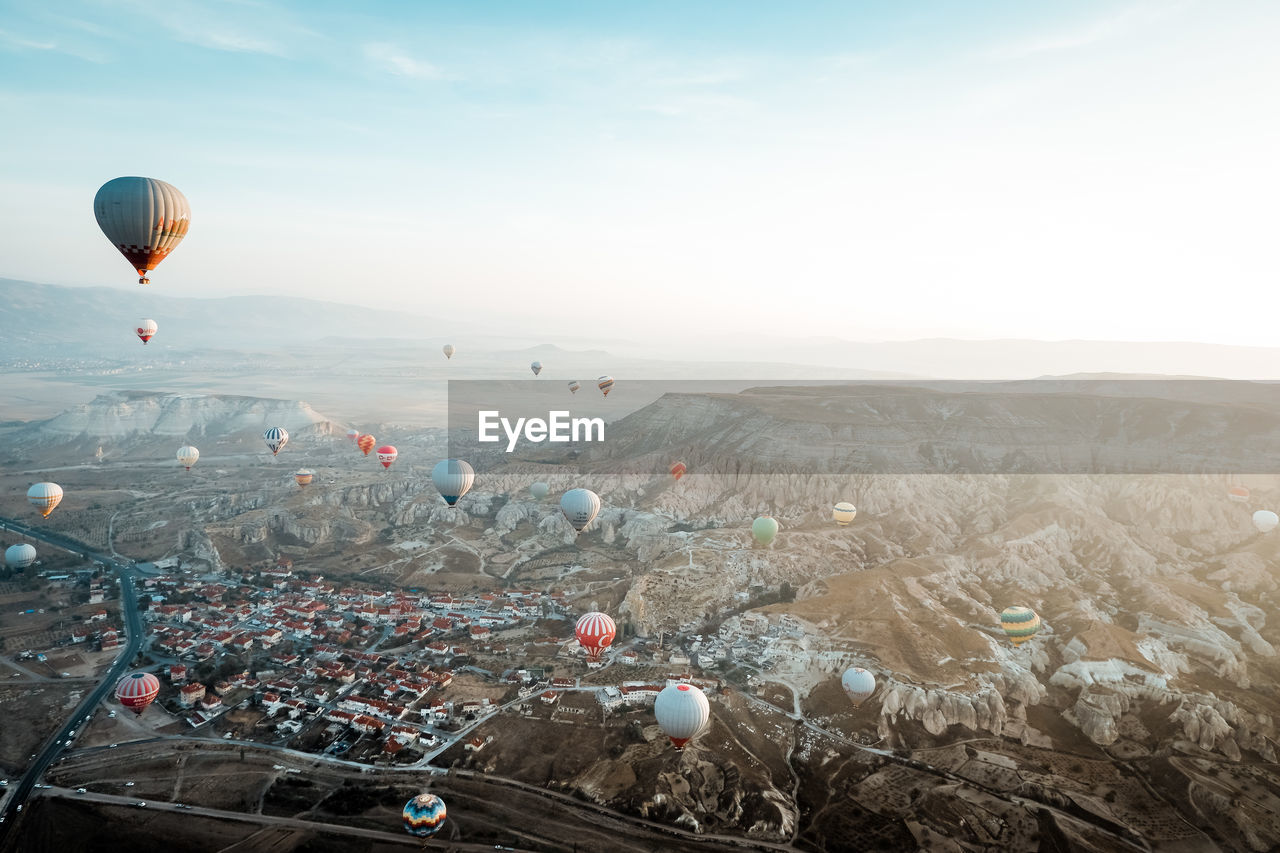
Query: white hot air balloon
[[45, 497], [146, 330], [188, 455], [580, 507], [858, 684], [276, 438], [19, 556], [536, 367], [539, 490], [574, 386], [144, 219], [449, 350], [1265, 520], [682, 711], [453, 479], [843, 513]]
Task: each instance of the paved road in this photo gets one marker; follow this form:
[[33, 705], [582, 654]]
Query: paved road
[[58, 741]]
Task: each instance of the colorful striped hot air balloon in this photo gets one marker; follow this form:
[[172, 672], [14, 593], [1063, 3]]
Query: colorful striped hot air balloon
[[604, 384], [764, 529], [453, 479], [386, 455], [574, 386], [843, 513], [144, 219], [1019, 623], [595, 632], [303, 477], [146, 329], [276, 438], [678, 470], [366, 443], [682, 711], [423, 815], [45, 497], [1239, 494], [137, 690]]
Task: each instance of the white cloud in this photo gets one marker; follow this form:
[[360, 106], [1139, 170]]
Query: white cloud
[[1099, 30], [392, 59], [11, 40]]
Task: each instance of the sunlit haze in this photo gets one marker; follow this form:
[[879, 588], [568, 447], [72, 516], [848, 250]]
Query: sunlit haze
[[872, 171]]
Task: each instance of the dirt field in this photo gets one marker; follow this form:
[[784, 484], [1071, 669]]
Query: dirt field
[[30, 713]]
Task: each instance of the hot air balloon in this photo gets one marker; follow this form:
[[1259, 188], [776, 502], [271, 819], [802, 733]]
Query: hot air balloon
[[303, 477], [536, 367], [45, 497], [1019, 623], [276, 438], [1239, 494], [19, 556], [146, 329], [144, 218], [764, 529], [539, 490], [449, 350], [366, 443], [137, 690], [678, 470], [580, 507], [682, 712], [843, 513], [353, 434], [604, 384], [453, 479], [574, 386], [188, 455], [386, 455], [423, 815], [1264, 519], [595, 632], [858, 684]]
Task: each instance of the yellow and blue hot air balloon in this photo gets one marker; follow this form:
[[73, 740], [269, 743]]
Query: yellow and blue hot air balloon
[[423, 815], [1019, 623]]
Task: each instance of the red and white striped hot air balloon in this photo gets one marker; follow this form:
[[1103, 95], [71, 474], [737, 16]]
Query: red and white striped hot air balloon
[[366, 443], [678, 470], [137, 690], [386, 455], [595, 632]]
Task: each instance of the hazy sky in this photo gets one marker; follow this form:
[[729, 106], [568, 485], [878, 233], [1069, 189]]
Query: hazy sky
[[866, 170]]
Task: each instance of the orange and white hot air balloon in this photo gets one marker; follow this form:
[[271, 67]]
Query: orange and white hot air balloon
[[1239, 494], [386, 455], [146, 329], [144, 219], [303, 477], [366, 443], [45, 497]]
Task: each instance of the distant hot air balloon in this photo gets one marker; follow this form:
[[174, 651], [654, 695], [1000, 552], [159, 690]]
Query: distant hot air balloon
[[843, 513], [536, 367], [19, 556], [146, 329], [1265, 520], [595, 632], [574, 386], [539, 490], [764, 529], [1019, 623], [678, 470], [188, 455], [453, 479], [366, 443], [449, 350], [858, 684], [45, 497], [303, 477], [1239, 494], [682, 711], [423, 815], [276, 438], [137, 690], [580, 507], [353, 434], [144, 219], [386, 455], [604, 384]]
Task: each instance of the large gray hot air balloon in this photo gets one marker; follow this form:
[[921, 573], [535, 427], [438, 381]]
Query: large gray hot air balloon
[[1265, 520], [19, 556], [144, 219], [453, 479], [580, 507], [682, 711]]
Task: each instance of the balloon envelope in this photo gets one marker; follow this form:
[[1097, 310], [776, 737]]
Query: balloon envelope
[[366, 443], [682, 711], [843, 513], [303, 477], [137, 690], [574, 386], [539, 490], [536, 367], [145, 219], [764, 529], [449, 350], [678, 470], [353, 434], [595, 632], [1019, 623], [146, 329], [580, 507], [276, 438], [188, 455], [858, 684], [386, 455], [1239, 494], [423, 815], [1265, 520], [604, 384], [453, 479], [19, 556], [45, 497]]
